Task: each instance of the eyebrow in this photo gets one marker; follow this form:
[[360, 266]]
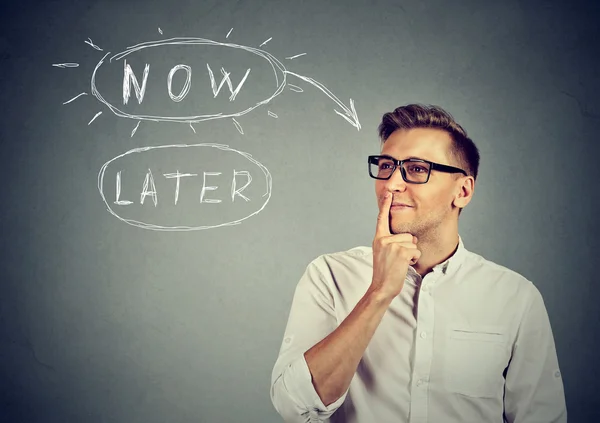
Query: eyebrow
[[411, 157]]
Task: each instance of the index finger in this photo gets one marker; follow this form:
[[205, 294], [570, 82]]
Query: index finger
[[383, 223]]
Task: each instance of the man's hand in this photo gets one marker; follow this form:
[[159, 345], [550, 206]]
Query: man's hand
[[392, 254]]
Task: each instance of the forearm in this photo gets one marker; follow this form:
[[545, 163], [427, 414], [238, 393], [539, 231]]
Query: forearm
[[333, 361]]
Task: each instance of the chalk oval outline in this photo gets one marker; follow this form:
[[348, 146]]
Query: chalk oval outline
[[153, 227], [273, 61]]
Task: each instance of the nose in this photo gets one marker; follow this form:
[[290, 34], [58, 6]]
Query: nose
[[395, 182]]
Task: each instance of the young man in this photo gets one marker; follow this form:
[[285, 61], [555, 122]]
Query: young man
[[417, 328]]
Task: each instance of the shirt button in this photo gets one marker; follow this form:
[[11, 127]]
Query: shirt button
[[423, 335], [425, 288]]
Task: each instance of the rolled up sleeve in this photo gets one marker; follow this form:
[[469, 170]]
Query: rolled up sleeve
[[312, 317], [534, 389]]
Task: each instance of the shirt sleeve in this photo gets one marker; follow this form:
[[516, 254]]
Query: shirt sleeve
[[312, 317], [534, 389]]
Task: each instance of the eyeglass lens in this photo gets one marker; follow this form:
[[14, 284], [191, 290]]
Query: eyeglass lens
[[414, 171]]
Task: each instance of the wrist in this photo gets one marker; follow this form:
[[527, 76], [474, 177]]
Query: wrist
[[379, 296]]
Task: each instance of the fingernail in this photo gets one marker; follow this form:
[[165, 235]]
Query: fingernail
[[387, 194]]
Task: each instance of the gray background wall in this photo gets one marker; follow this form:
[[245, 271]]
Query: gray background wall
[[102, 321]]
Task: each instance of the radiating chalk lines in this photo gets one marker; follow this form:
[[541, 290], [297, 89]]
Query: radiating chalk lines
[[74, 98], [65, 65], [279, 70], [91, 43], [94, 118], [297, 55], [135, 129]]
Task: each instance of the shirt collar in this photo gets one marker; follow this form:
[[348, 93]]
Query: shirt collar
[[449, 266]]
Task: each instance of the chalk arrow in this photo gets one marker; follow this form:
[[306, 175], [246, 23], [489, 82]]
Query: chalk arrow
[[349, 113]]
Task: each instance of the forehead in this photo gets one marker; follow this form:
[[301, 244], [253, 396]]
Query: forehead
[[425, 143]]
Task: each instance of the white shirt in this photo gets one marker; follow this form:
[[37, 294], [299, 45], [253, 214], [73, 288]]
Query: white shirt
[[470, 342]]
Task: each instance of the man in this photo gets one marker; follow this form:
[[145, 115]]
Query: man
[[416, 328]]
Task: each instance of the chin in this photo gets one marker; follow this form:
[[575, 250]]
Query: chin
[[402, 228]]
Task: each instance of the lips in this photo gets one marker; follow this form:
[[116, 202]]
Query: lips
[[400, 204]]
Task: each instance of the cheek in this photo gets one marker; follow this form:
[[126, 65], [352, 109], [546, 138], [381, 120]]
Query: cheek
[[438, 200], [379, 192], [443, 201]]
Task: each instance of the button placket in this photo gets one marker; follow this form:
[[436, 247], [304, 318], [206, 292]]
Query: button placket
[[423, 354]]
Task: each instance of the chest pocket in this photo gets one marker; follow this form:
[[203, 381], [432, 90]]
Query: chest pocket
[[475, 359]]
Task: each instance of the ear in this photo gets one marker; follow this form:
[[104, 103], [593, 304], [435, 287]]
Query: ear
[[464, 191]]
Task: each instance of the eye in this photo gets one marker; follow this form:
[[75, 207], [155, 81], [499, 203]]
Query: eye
[[417, 169], [385, 164]]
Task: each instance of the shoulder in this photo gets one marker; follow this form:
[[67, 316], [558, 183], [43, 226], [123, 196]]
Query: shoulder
[[343, 271], [483, 270], [354, 257]]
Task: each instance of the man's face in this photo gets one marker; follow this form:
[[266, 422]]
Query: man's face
[[431, 203]]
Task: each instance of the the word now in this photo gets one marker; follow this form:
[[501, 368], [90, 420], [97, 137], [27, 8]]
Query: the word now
[[149, 187], [130, 79]]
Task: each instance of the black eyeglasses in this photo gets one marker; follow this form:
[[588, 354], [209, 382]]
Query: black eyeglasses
[[414, 171]]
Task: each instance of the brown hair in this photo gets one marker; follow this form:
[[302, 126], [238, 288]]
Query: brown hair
[[463, 151]]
